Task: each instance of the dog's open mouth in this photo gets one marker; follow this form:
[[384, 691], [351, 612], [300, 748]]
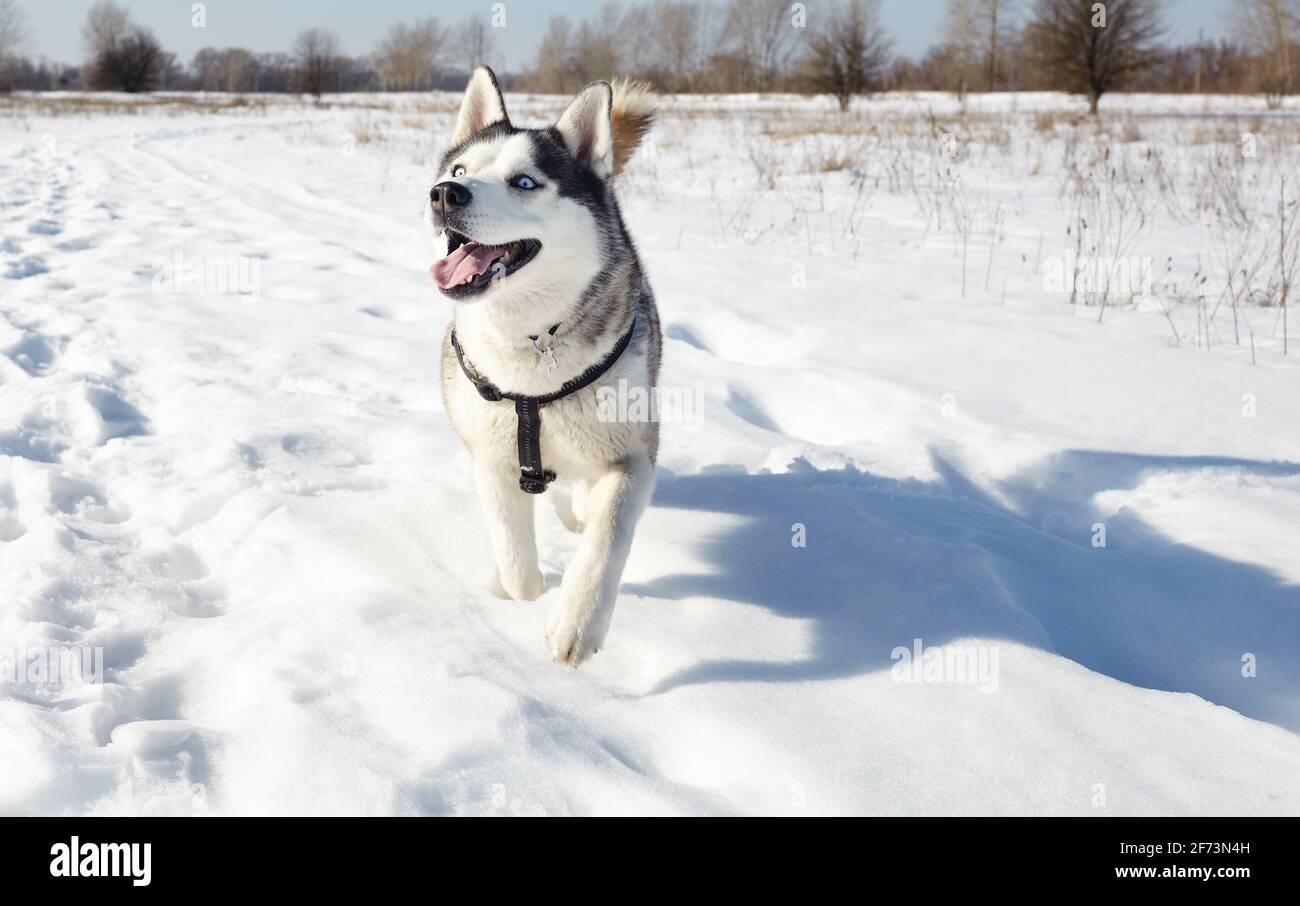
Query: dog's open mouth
[[471, 267]]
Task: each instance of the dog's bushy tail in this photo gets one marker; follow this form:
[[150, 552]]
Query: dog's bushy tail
[[632, 114]]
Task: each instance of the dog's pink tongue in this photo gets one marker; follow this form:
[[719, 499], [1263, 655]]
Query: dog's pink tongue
[[468, 260]]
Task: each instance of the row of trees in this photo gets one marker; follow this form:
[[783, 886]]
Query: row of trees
[[842, 48], [124, 56], [989, 46], [838, 47]]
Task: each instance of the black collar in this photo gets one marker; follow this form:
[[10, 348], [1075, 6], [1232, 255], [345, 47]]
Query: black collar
[[533, 478]]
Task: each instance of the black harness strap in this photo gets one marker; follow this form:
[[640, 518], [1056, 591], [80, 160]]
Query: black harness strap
[[533, 479]]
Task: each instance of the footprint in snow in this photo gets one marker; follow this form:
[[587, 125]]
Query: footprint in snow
[[120, 418], [153, 701], [26, 442], [74, 497], [28, 266], [11, 529], [32, 354]]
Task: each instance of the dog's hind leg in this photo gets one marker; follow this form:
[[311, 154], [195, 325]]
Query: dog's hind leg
[[615, 501], [569, 505], [509, 514]]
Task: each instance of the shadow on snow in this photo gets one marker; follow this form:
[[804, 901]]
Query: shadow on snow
[[890, 561]]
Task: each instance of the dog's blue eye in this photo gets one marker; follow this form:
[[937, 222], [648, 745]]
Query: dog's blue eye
[[457, 170], [523, 182]]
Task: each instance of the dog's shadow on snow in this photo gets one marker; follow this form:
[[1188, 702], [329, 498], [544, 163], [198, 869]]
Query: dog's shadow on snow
[[886, 562]]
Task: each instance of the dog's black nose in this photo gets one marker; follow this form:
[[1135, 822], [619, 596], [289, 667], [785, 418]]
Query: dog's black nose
[[449, 195]]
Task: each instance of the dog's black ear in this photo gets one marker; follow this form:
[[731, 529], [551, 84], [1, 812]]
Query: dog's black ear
[[483, 105], [588, 130]]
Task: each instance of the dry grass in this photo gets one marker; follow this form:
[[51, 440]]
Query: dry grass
[[983, 178], [61, 105], [365, 130]]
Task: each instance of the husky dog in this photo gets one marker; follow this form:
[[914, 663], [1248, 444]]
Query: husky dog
[[548, 291]]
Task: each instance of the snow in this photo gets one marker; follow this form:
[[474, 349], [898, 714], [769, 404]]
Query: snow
[[254, 504]]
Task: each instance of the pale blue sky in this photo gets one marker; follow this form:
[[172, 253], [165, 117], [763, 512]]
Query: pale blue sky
[[263, 25]]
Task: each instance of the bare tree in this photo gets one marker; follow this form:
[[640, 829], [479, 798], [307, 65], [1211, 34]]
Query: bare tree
[[682, 40], [316, 52], [122, 56], [961, 34], [996, 16], [13, 36], [134, 62], [599, 45], [240, 70], [106, 24], [474, 43], [849, 52], [681, 35], [555, 58], [762, 35], [1095, 47], [1272, 26], [407, 59], [228, 69], [207, 68], [13, 28]]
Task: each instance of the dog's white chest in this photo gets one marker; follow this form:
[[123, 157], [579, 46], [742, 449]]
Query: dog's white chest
[[579, 433]]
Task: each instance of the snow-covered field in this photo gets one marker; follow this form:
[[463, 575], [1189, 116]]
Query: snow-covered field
[[254, 505]]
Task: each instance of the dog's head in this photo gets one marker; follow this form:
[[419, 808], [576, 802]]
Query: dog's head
[[528, 210]]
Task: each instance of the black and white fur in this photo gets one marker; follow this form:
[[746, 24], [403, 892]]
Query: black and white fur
[[586, 278]]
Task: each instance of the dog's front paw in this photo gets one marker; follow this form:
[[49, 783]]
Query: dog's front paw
[[575, 633], [566, 638], [526, 587]]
